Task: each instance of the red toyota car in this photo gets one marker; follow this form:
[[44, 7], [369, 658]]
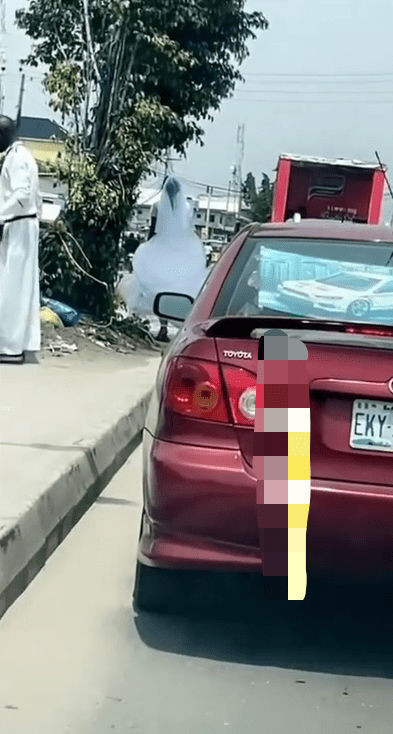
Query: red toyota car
[[199, 488]]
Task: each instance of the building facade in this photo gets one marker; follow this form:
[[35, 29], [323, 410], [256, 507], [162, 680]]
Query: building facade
[[43, 137], [214, 217], [45, 140], [139, 224], [217, 217]]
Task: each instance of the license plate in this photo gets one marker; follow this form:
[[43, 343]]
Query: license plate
[[372, 425]]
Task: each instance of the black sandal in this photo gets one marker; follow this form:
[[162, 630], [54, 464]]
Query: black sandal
[[12, 358], [162, 335]]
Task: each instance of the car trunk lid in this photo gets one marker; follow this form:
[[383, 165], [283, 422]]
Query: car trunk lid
[[351, 382]]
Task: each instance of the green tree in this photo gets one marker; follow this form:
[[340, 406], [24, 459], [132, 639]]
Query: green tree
[[136, 77], [260, 199]]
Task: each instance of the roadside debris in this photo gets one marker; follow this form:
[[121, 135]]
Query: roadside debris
[[68, 315], [47, 316], [121, 335], [60, 347]]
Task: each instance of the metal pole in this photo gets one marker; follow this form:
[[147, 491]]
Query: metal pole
[[386, 179], [228, 211], [21, 93], [240, 158], [239, 213], [169, 161], [209, 195], [2, 53]]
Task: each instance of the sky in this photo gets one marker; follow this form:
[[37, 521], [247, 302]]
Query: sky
[[318, 82]]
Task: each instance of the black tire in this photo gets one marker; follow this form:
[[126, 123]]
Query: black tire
[[160, 590], [358, 309]]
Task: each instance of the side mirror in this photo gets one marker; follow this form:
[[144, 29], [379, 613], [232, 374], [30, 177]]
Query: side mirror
[[173, 306]]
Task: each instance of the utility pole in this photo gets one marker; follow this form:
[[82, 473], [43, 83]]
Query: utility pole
[[228, 211], [2, 53], [209, 201], [237, 176], [239, 165], [21, 94], [167, 161]]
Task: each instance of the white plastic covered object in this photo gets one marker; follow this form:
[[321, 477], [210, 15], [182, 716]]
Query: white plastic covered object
[[50, 212], [173, 260], [128, 290]]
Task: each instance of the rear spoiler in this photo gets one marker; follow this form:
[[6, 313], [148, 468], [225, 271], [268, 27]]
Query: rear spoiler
[[242, 327]]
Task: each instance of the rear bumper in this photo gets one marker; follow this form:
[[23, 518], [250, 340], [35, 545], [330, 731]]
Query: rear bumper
[[158, 548], [201, 513]]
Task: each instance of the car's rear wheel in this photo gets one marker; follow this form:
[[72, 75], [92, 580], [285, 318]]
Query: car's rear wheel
[[358, 309]]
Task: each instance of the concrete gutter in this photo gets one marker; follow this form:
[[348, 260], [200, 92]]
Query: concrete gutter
[[60, 482]]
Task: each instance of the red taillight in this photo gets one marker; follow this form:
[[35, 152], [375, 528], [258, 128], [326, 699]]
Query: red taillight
[[369, 331], [193, 388], [241, 388]]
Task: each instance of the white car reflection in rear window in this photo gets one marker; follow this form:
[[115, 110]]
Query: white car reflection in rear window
[[343, 280]]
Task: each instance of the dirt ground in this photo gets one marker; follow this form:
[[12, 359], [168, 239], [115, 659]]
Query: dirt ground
[[88, 345]]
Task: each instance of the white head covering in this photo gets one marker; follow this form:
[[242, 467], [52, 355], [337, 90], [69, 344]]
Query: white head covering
[[174, 215], [174, 259]]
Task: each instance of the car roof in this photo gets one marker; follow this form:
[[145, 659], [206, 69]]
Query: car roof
[[324, 229], [357, 273], [378, 277], [374, 165]]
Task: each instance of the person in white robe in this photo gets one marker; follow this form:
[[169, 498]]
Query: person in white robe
[[172, 261], [20, 208]]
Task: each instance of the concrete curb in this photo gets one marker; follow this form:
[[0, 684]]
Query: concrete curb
[[28, 540]]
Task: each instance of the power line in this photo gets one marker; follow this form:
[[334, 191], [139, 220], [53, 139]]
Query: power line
[[30, 77], [296, 75], [150, 198], [224, 189], [311, 91], [204, 186], [319, 76], [327, 82], [311, 101]]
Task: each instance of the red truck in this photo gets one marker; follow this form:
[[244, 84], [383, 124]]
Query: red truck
[[324, 188]]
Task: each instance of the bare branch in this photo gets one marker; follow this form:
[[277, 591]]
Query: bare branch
[[122, 99], [122, 188], [80, 248], [61, 47], [128, 74], [115, 83], [101, 282], [89, 40]]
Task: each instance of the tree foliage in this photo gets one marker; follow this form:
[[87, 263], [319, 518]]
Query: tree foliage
[[135, 77], [260, 199]]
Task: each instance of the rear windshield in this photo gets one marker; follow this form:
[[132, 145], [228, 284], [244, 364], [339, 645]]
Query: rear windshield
[[317, 278]]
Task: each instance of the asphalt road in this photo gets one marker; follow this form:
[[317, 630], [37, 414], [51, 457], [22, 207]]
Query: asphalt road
[[75, 657]]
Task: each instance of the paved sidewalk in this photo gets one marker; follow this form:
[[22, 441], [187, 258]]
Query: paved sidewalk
[[67, 425]]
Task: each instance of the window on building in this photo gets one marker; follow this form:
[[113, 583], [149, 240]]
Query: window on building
[[212, 218]]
